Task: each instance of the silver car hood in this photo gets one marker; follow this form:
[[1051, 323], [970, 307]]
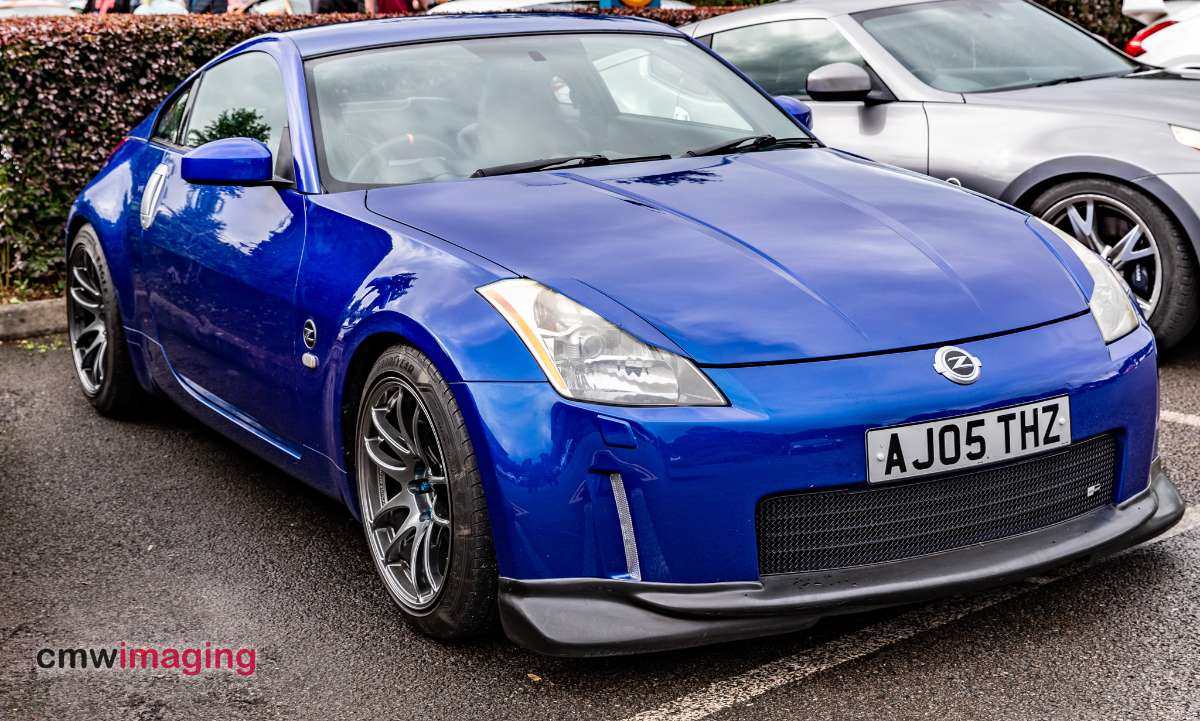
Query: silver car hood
[[1156, 96]]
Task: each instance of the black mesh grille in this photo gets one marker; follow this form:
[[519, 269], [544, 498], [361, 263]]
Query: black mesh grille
[[837, 529]]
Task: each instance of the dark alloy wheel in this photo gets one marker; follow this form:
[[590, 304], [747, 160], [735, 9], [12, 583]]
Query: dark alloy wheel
[[1139, 239], [96, 332], [421, 499], [85, 314], [407, 508]]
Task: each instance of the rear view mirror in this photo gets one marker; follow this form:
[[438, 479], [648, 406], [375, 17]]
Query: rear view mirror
[[798, 110], [839, 81], [229, 161]]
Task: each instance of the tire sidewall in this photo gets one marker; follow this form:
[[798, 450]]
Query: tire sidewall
[[407, 364], [1176, 312], [104, 395]]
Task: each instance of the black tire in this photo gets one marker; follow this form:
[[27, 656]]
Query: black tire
[[116, 393], [465, 606], [1178, 306]]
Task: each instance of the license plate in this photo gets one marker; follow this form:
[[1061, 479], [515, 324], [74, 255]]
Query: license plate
[[949, 444]]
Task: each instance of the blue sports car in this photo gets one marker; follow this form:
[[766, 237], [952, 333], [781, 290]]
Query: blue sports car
[[596, 338]]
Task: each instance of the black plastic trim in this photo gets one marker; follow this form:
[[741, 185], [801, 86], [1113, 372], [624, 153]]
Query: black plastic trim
[[600, 617]]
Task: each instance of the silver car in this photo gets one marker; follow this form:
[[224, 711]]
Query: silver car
[[1009, 99]]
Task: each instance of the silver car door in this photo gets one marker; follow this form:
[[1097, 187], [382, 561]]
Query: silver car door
[[779, 56]]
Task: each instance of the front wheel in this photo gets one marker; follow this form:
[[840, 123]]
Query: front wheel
[[1139, 239], [421, 498]]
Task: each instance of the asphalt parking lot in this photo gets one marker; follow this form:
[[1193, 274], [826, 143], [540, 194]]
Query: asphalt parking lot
[[160, 532]]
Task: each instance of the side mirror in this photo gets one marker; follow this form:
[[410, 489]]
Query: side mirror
[[798, 110], [230, 161], [839, 81]]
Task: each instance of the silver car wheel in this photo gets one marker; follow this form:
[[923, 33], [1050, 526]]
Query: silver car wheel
[[404, 493], [85, 315], [1120, 236]]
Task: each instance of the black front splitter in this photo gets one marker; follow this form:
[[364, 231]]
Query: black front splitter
[[600, 617]]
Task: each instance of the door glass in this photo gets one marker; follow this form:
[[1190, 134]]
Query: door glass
[[167, 130], [240, 98], [780, 55]]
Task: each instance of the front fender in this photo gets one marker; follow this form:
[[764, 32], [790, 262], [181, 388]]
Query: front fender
[[366, 281]]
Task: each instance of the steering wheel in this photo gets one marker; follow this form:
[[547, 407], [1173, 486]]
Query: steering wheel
[[408, 140]]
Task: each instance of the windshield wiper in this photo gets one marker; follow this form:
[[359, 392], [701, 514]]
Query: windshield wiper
[[751, 142], [1072, 79], [573, 161]]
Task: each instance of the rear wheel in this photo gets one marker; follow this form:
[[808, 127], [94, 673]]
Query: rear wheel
[[1138, 238], [96, 332], [421, 498]]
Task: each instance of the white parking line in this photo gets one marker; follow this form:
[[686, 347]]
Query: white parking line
[[729, 692], [1185, 419]]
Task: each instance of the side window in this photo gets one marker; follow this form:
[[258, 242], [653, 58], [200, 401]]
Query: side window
[[240, 98], [171, 118], [780, 55]]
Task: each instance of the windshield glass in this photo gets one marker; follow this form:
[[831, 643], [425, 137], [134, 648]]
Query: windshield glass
[[441, 111], [968, 46]]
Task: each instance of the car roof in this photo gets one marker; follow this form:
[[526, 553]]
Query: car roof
[[794, 10], [342, 37], [842, 7]]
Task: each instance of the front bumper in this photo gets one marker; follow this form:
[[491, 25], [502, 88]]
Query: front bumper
[[1180, 192], [628, 529], [593, 617]]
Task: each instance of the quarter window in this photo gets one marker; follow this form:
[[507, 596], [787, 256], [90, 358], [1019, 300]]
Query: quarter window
[[171, 118], [240, 98], [780, 55]]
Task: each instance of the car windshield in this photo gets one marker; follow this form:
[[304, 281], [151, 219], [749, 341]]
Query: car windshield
[[969, 46], [444, 110]]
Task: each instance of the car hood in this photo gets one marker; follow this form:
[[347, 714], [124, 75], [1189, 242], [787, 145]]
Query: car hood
[[762, 257], [1158, 95]]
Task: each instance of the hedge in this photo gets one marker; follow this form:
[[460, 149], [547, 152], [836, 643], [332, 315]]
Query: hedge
[[1102, 17], [71, 87]]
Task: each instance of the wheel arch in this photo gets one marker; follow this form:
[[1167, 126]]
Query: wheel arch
[[1023, 191], [361, 348], [111, 236], [104, 205]]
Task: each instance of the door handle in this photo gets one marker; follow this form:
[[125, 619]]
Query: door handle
[[153, 193]]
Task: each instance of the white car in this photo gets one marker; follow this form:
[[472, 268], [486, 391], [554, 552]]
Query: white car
[[493, 6], [1171, 40], [28, 8], [161, 7], [1149, 12]]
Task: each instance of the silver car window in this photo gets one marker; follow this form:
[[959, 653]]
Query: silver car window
[[780, 55], [965, 46]]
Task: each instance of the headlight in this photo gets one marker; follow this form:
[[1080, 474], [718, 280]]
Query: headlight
[[1187, 136], [589, 359], [1110, 303]]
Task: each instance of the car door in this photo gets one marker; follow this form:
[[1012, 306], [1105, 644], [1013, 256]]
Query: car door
[[779, 56], [221, 261]]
